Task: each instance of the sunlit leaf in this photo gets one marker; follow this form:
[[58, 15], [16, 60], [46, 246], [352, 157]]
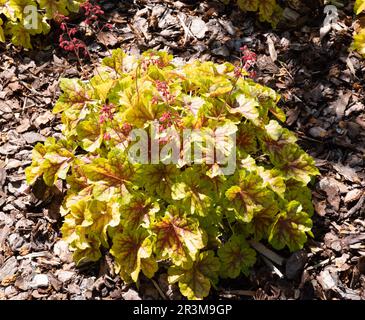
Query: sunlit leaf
[[236, 256], [290, 228], [177, 236], [195, 282]]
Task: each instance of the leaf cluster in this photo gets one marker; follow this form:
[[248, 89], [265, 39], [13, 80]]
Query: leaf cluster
[[187, 217]]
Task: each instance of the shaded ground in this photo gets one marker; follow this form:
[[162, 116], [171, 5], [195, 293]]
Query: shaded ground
[[322, 87]]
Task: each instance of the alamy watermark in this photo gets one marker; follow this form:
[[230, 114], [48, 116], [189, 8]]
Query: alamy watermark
[[185, 147]]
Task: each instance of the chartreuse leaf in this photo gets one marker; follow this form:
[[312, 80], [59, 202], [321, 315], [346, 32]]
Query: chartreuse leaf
[[359, 6], [86, 227], [100, 216], [276, 138], [296, 191], [2, 36], [111, 176], [20, 35], [247, 195], [236, 256], [195, 281], [157, 179], [73, 5], [139, 211], [53, 7], [359, 42], [262, 220], [141, 109], [74, 231], [90, 251], [272, 179], [102, 84], [294, 163], [247, 107], [194, 191], [248, 5], [75, 95], [290, 228], [52, 160], [266, 9], [35, 170], [77, 180], [18, 7], [89, 133], [178, 237], [130, 249], [246, 140], [116, 61]]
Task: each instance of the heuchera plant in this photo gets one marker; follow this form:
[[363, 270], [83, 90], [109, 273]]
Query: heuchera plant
[[269, 10], [187, 217], [26, 18]]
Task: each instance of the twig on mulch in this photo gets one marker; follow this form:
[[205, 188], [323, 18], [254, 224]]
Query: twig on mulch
[[267, 252]]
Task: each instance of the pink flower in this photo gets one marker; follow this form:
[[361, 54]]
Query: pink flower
[[126, 128]]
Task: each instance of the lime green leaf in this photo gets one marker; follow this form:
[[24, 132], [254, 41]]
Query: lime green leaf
[[273, 179], [139, 211], [115, 61], [247, 107], [262, 221], [246, 195], [75, 95], [110, 176], [90, 253], [53, 7], [246, 139], [100, 216], [296, 164], [129, 248], [157, 179], [18, 7], [266, 9], [52, 160], [359, 42], [90, 133], [20, 35], [177, 236], [2, 36], [35, 170], [236, 256], [290, 228], [149, 266], [296, 191], [193, 189], [276, 138], [359, 6], [195, 282], [102, 83], [73, 5]]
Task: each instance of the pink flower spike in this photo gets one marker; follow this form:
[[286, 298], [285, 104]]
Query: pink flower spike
[[107, 136]]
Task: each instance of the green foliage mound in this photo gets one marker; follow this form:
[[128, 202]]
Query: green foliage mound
[[188, 216]]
